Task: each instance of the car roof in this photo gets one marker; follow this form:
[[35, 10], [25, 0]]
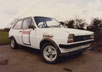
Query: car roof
[[32, 16]]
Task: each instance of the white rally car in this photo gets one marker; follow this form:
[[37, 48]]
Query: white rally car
[[49, 36]]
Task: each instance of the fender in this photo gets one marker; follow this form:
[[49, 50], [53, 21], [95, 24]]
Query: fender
[[46, 40]]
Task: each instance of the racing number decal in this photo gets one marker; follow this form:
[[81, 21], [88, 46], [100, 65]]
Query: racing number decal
[[26, 37]]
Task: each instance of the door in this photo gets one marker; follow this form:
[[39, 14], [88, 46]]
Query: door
[[17, 32], [26, 31]]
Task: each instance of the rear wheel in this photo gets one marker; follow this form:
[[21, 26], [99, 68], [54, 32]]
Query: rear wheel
[[49, 53], [13, 44]]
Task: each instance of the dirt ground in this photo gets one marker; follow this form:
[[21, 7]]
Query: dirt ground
[[29, 60]]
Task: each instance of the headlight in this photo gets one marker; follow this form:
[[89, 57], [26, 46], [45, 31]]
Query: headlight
[[92, 36], [70, 38]]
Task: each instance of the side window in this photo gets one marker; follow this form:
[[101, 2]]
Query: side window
[[18, 25], [26, 23]]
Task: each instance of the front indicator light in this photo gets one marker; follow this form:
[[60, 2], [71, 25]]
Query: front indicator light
[[70, 41], [92, 36], [70, 38]]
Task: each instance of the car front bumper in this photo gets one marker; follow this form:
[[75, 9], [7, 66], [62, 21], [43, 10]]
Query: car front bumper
[[74, 47]]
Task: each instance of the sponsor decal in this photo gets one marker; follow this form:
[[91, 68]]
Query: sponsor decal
[[26, 32], [47, 36]]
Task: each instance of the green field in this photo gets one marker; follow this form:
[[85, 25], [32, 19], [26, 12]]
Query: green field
[[4, 38]]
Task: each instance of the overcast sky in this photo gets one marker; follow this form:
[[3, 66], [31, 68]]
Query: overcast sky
[[59, 9]]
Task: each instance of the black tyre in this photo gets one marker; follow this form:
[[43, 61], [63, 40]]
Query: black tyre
[[49, 53], [80, 53], [13, 44]]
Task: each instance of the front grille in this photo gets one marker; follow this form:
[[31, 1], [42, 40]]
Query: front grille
[[81, 38]]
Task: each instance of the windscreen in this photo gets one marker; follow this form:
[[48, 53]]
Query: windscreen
[[45, 22]]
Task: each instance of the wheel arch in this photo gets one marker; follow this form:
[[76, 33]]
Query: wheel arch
[[11, 37], [44, 41]]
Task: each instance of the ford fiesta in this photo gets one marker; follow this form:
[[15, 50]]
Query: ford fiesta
[[50, 37]]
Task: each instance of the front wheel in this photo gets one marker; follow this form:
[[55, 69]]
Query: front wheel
[[49, 53]]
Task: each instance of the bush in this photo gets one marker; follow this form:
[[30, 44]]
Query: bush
[[4, 38], [96, 27]]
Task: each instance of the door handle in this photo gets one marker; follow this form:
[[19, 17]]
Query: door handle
[[20, 31]]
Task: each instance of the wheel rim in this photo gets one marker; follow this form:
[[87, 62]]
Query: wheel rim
[[50, 53], [12, 43]]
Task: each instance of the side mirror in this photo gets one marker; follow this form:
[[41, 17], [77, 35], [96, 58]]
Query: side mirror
[[32, 27]]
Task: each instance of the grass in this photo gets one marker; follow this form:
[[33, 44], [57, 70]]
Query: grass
[[4, 38]]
